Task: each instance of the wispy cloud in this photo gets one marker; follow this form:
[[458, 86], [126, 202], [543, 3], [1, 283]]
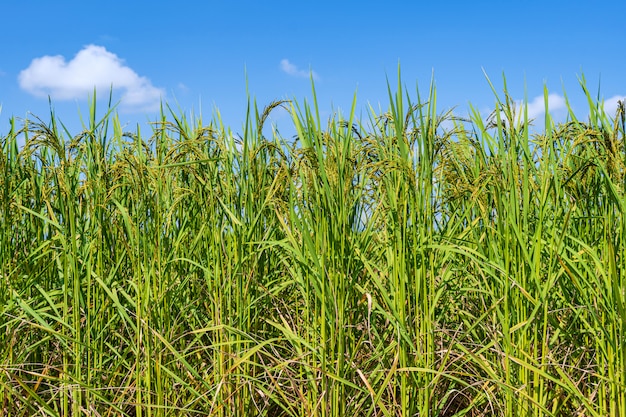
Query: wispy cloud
[[610, 104], [291, 69], [92, 67]]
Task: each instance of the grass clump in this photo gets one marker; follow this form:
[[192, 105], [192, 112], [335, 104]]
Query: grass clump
[[409, 264]]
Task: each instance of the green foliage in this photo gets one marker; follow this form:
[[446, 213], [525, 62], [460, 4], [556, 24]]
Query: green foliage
[[409, 264]]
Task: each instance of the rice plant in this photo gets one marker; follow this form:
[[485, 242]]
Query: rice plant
[[407, 263]]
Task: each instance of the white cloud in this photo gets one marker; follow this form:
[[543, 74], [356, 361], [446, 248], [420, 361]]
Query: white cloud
[[92, 67], [290, 69], [536, 109], [537, 106], [610, 105]]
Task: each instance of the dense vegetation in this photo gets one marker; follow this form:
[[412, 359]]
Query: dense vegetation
[[409, 264]]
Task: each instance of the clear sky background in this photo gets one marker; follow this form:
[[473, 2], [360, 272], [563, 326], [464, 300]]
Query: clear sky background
[[198, 56]]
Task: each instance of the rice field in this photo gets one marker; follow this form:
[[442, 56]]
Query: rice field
[[406, 263]]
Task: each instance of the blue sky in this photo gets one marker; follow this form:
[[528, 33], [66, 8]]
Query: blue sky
[[201, 55]]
